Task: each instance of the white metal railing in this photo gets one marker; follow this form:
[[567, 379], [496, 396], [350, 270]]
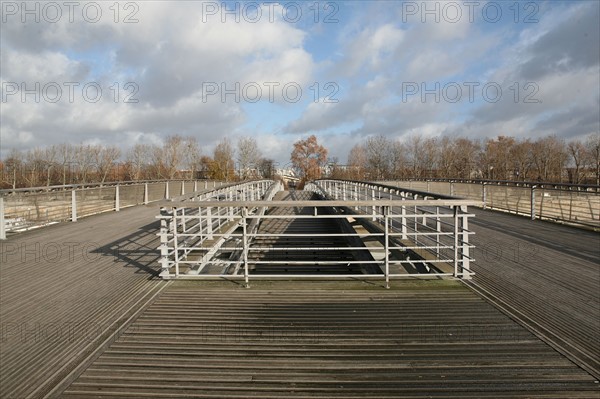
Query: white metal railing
[[567, 203], [191, 223], [223, 238], [22, 209]]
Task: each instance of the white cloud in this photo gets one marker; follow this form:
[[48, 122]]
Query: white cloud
[[371, 48], [171, 52]]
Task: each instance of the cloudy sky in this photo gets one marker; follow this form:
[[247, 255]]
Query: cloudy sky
[[129, 72]]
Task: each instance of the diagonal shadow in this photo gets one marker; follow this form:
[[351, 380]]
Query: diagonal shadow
[[136, 250]]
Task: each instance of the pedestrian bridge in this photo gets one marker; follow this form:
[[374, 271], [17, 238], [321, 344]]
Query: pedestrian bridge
[[151, 301]]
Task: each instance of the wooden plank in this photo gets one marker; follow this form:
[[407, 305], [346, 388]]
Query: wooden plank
[[548, 273], [293, 340], [66, 287]]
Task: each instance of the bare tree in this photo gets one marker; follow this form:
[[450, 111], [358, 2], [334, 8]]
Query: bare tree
[[65, 158], [34, 161], [428, 160], [104, 159], [309, 157], [579, 158], [521, 156], [592, 144], [378, 152], [13, 165], [84, 160], [223, 160], [139, 157], [446, 159], [496, 158], [357, 162], [192, 155], [172, 155], [466, 152], [549, 156], [414, 147], [397, 159], [248, 156], [50, 157], [176, 153]]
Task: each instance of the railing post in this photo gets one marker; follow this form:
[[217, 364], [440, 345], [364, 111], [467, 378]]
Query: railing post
[[386, 215], [175, 242], [73, 206], [483, 195], [164, 243], [455, 209], [373, 210], [167, 190], [403, 220], [245, 245], [145, 193], [532, 211], [416, 220], [195, 185], [209, 225], [465, 252], [438, 228], [182, 187], [117, 199], [2, 221], [229, 208]]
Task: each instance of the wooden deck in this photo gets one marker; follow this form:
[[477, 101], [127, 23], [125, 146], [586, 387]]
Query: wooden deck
[[546, 274], [282, 340], [66, 288], [67, 293]]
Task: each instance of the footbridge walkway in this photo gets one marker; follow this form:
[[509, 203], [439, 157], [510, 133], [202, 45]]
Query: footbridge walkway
[[152, 301]]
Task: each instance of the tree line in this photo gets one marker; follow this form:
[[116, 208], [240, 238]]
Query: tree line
[[177, 157], [548, 159]]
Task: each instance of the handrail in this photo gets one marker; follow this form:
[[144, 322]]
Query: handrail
[[211, 238], [26, 208], [515, 183], [91, 185], [322, 203], [577, 205]]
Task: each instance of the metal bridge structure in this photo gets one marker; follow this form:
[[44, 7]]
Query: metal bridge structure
[[346, 289], [333, 228]]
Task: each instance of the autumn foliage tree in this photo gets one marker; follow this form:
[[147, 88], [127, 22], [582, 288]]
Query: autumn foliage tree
[[308, 157]]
